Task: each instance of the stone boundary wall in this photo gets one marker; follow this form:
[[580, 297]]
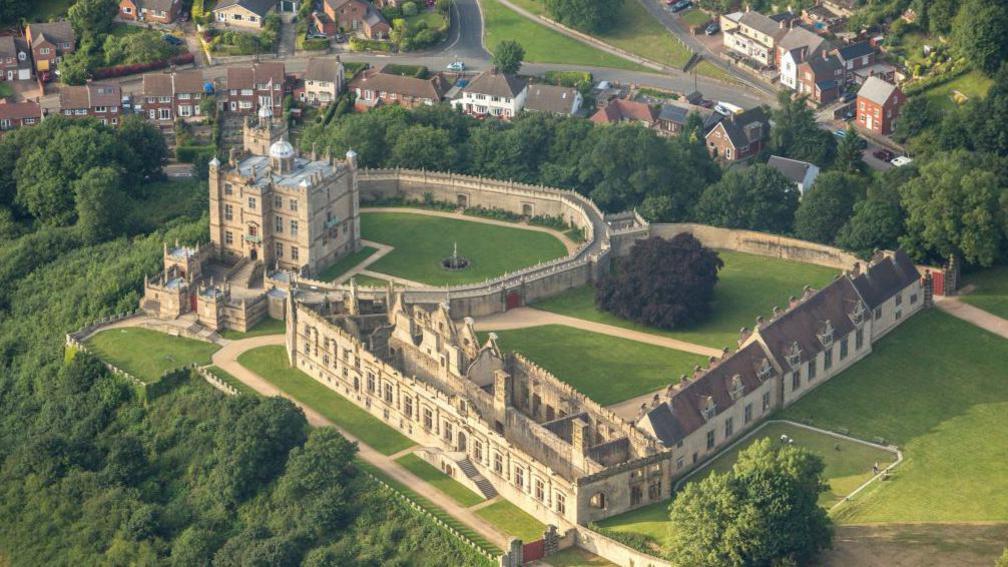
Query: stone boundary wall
[[615, 551], [91, 328], [217, 382], [762, 244]]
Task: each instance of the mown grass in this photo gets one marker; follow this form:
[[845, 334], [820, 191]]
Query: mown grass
[[148, 354], [990, 291], [343, 265], [973, 85], [439, 480], [512, 520], [230, 380], [268, 326]]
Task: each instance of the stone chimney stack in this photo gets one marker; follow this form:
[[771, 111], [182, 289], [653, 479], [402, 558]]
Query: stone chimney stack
[[580, 436], [502, 391]]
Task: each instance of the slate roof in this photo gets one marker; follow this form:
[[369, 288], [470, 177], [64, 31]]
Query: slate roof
[[7, 46], [260, 7], [799, 37], [824, 67], [494, 83], [763, 24], [793, 169], [373, 17], [54, 32], [620, 109], [876, 90], [855, 50], [673, 113], [886, 278], [90, 95], [375, 79], [551, 98], [322, 69], [735, 125]]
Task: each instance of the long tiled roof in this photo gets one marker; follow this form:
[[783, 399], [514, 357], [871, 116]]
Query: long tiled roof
[[20, 110], [54, 32], [376, 80], [260, 7], [763, 24], [885, 278], [855, 50], [550, 98], [493, 83], [619, 110]]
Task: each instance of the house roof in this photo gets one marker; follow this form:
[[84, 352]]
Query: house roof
[[551, 98], [373, 17], [54, 32], [322, 69], [376, 79], [89, 95], [673, 113], [7, 46], [240, 78], [269, 71], [494, 83], [190, 81], [876, 90], [793, 169], [886, 278], [801, 38], [259, 7], [620, 109], [19, 110], [163, 5], [737, 126], [824, 67], [763, 24], [855, 50], [157, 84]]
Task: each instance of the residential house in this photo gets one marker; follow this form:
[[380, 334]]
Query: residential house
[[821, 19], [878, 105], [357, 16], [821, 77], [250, 88], [885, 71], [49, 42], [96, 100], [801, 173], [493, 93], [553, 99], [892, 290], [323, 80], [622, 110], [845, 8], [375, 87], [739, 136], [755, 38], [672, 119], [167, 96], [248, 14], [797, 45], [855, 56], [17, 114], [324, 24], [156, 11], [15, 64]]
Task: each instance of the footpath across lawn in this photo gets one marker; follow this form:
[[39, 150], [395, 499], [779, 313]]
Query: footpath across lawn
[[990, 290], [344, 264], [270, 362], [148, 354]]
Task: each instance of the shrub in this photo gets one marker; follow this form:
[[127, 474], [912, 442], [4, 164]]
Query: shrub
[[409, 9], [188, 154]]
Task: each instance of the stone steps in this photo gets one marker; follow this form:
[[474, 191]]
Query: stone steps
[[466, 466]]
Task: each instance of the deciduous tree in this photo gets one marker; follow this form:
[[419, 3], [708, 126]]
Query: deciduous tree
[[508, 56], [757, 198], [585, 15], [827, 206], [795, 133], [980, 32]]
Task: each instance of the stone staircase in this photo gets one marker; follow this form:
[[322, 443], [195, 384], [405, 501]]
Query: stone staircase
[[249, 276], [466, 466]]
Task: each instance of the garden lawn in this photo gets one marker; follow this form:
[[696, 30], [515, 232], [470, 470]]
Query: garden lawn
[[421, 242], [512, 520], [148, 354], [227, 378], [991, 290], [5, 90], [938, 388], [43, 10], [343, 265], [577, 557], [606, 369], [694, 17], [270, 362], [432, 18], [439, 480], [268, 326], [748, 286], [541, 44], [973, 84]]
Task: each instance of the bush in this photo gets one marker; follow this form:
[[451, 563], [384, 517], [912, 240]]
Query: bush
[[409, 9], [315, 44], [360, 44], [188, 154]]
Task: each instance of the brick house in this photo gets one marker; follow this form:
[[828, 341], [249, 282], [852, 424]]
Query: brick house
[[323, 80], [49, 42], [17, 114], [855, 56], [15, 63], [621, 110], [493, 93], [878, 105], [374, 87], [797, 45], [96, 100], [357, 16], [249, 88], [739, 136], [821, 77], [156, 11], [248, 14], [167, 96]]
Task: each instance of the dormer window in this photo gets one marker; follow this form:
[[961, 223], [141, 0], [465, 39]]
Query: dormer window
[[765, 370], [794, 355], [709, 409], [858, 315], [736, 388], [826, 334]]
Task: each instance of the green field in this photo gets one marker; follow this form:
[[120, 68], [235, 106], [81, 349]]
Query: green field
[[973, 84], [148, 354], [439, 480], [344, 264], [421, 242], [991, 290], [268, 326], [937, 387], [749, 286], [270, 362], [604, 368], [541, 44], [227, 378], [512, 520]]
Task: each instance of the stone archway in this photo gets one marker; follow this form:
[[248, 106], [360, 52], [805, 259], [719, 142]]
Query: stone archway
[[461, 444]]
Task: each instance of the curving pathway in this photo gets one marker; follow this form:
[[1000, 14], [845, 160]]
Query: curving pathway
[[973, 315]]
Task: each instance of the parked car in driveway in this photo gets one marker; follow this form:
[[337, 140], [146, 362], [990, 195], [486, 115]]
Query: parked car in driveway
[[900, 161], [712, 29], [456, 66], [841, 133], [172, 40], [884, 155], [681, 5]]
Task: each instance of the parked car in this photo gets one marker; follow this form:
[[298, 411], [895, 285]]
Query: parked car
[[712, 28], [848, 97], [884, 155], [900, 161], [841, 133], [681, 5], [456, 66], [340, 38], [172, 40], [848, 116]]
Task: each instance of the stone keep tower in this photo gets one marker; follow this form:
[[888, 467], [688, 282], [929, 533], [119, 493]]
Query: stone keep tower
[[258, 136]]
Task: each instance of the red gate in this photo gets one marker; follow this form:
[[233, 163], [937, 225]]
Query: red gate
[[513, 300], [192, 300], [938, 282], [533, 551]]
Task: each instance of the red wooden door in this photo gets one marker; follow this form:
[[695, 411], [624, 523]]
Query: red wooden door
[[513, 299], [533, 551]]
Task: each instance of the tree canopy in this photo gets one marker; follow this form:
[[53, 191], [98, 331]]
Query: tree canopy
[[756, 198], [980, 32], [508, 56], [585, 15], [795, 133], [827, 206]]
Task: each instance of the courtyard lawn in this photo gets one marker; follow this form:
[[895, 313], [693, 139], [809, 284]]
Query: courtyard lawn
[[439, 480], [270, 362], [343, 265], [512, 520], [230, 380], [268, 326], [606, 369], [577, 557], [749, 285], [650, 521], [973, 85], [148, 354], [938, 388], [421, 242], [541, 44], [991, 290]]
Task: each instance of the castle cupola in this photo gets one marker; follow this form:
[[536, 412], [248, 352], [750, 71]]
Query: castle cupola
[[281, 155]]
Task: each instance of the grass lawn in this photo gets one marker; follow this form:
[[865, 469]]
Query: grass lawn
[[270, 362], [543, 45], [43, 10], [227, 378], [604, 368], [708, 69], [973, 84], [268, 326], [421, 242], [5, 90], [694, 17], [634, 30], [749, 285], [148, 354], [512, 520], [122, 30], [432, 18], [938, 388], [577, 557], [991, 293], [439, 480], [344, 264]]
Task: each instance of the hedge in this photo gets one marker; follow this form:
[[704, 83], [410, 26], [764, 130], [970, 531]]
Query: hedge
[[358, 44], [568, 78], [187, 154], [121, 70], [315, 44]]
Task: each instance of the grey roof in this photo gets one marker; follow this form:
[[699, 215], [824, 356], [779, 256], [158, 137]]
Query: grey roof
[[322, 69], [735, 125], [494, 83], [260, 169], [55, 32], [673, 113], [373, 17], [824, 67], [876, 90], [162, 5], [793, 169], [855, 50], [886, 278], [7, 46], [799, 37], [551, 98], [375, 79], [260, 7], [762, 24]]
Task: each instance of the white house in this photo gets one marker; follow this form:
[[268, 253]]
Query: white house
[[801, 173], [323, 81], [495, 94]]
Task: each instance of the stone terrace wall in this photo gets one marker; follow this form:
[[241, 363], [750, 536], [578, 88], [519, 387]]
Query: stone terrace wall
[[762, 244]]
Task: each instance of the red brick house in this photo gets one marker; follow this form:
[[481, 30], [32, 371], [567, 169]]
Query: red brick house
[[156, 11], [15, 61], [249, 88], [739, 136], [856, 56], [821, 77], [96, 100], [357, 16], [878, 105], [49, 42], [167, 96], [621, 110], [374, 87], [17, 114]]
